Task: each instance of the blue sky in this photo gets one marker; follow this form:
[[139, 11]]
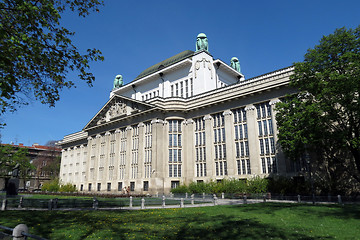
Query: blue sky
[[134, 35]]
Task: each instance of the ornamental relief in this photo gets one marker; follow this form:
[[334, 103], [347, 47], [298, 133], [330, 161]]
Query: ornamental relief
[[206, 64], [117, 109]]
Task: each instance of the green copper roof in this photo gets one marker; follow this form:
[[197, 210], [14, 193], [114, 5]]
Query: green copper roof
[[174, 59]]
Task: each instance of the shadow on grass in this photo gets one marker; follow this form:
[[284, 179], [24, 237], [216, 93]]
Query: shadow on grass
[[201, 223], [349, 211]]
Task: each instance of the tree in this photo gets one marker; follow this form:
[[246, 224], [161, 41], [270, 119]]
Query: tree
[[323, 118], [10, 156], [37, 53]]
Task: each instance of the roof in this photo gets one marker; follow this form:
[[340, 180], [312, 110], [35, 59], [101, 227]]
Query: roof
[[167, 62]]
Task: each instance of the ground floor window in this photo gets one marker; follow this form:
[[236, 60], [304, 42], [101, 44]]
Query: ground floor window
[[132, 186], [81, 187], [109, 186], [175, 184], [89, 187], [99, 186], [120, 186], [146, 185]]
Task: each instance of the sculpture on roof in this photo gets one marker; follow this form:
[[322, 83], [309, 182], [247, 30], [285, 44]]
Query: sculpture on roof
[[118, 82], [235, 64], [202, 42]]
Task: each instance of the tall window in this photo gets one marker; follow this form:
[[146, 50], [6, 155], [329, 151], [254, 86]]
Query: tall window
[[135, 152], [200, 148], [241, 142], [181, 89], [191, 87], [175, 158], [219, 144], [112, 155], [186, 88], [148, 149], [266, 138], [122, 153]]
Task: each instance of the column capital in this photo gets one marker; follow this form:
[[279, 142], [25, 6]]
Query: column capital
[[249, 107], [227, 112], [274, 101]]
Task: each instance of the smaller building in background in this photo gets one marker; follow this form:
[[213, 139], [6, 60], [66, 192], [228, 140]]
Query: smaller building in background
[[46, 162]]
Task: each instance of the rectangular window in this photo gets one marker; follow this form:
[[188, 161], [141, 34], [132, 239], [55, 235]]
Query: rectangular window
[[132, 186], [181, 89], [146, 186], [271, 130], [263, 165], [191, 87], [175, 184], [248, 166], [186, 88], [99, 186], [260, 128], [109, 187], [176, 90], [89, 189], [172, 90], [261, 147], [120, 186]]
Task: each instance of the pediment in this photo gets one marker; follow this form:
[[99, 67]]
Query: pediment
[[117, 107]]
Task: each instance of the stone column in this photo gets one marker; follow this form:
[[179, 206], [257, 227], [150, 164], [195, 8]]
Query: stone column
[[281, 160], [188, 160], [105, 179], [229, 140], [128, 157], [159, 153], [253, 140], [209, 143], [141, 154]]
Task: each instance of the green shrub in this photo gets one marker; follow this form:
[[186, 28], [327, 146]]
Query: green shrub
[[230, 186], [51, 186], [55, 186], [67, 188], [180, 189], [257, 185]]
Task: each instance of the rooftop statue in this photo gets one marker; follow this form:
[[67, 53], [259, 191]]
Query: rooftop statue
[[118, 82], [202, 42], [235, 64]]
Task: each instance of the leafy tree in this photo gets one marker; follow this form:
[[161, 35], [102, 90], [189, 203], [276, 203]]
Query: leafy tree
[[323, 118], [10, 156], [37, 52]]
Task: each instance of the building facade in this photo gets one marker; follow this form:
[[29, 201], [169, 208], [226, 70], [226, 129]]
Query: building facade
[[188, 118], [45, 159]]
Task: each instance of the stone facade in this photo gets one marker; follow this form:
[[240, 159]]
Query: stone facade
[[194, 119]]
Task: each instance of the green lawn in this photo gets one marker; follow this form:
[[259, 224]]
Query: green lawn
[[252, 221]]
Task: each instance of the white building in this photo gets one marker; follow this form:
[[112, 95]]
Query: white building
[[188, 118]]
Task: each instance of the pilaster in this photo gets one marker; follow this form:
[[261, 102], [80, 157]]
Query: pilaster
[[253, 140], [280, 156], [229, 140], [209, 143], [188, 160]]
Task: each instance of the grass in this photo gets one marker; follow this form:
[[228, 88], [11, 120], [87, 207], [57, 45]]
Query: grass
[[252, 221]]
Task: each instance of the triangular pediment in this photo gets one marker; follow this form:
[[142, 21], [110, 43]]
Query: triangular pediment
[[118, 107]]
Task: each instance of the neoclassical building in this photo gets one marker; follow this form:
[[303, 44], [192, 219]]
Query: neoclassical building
[[188, 118]]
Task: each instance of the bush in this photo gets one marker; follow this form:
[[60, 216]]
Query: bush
[[257, 185], [67, 188], [180, 189], [51, 186], [55, 186], [230, 186]]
